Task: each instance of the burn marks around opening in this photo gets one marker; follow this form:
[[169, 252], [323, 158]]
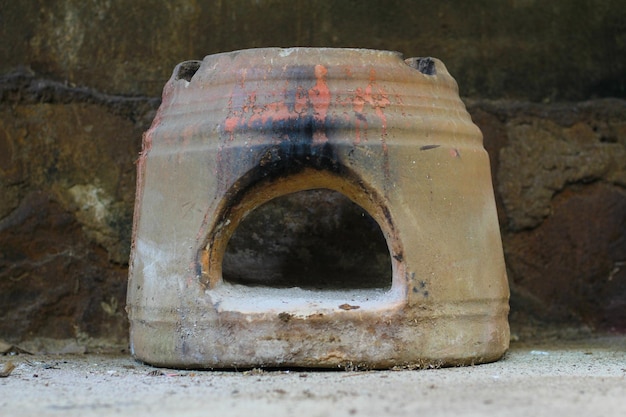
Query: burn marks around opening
[[286, 129], [291, 157], [295, 151], [299, 122]]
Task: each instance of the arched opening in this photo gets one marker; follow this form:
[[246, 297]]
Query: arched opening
[[313, 239]]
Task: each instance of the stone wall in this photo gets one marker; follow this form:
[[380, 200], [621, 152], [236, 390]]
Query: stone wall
[[80, 82], [542, 50], [67, 181], [560, 177]]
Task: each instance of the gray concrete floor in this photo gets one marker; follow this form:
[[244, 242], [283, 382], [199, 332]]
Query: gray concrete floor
[[572, 378]]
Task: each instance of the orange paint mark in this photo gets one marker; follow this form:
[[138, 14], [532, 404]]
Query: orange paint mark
[[320, 98], [358, 102], [276, 110], [301, 100], [357, 129], [242, 78], [377, 99], [372, 75], [230, 124]]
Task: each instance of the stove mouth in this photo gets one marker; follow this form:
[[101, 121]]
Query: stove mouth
[[294, 232], [313, 239]]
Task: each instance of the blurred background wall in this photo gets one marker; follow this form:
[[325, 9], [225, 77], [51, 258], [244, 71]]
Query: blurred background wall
[[81, 80]]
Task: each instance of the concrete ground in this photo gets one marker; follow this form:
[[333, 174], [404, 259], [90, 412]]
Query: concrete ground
[[572, 378]]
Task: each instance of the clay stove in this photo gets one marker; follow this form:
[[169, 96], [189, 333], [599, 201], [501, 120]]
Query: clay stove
[[241, 129]]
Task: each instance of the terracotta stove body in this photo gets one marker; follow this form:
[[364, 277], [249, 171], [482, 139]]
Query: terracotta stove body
[[239, 129]]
